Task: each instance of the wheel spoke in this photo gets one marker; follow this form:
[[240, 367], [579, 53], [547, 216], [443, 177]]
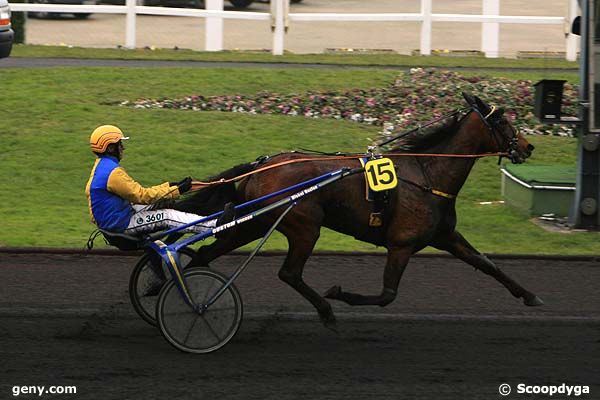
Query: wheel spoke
[[187, 337], [208, 291], [210, 328], [213, 309], [179, 313]]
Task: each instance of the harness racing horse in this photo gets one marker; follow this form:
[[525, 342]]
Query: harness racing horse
[[421, 209]]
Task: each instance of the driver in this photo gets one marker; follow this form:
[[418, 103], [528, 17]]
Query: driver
[[119, 204]]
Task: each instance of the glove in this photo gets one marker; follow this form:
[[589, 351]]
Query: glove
[[183, 185]]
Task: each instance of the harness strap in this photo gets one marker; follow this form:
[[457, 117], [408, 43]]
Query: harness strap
[[421, 126], [429, 186], [428, 189], [442, 194]]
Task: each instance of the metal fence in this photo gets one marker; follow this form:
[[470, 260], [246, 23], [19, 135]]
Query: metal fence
[[280, 19]]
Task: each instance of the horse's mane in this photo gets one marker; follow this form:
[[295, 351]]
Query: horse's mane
[[425, 138]]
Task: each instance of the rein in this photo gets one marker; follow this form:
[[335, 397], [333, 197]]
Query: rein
[[419, 127], [198, 184]]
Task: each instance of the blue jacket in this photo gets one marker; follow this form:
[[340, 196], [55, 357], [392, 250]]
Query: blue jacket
[[111, 191]]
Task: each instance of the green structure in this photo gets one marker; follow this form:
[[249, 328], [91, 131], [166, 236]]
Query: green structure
[[537, 190]]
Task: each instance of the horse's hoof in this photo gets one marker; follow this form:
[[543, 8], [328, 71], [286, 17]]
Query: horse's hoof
[[533, 301], [330, 323], [333, 293]]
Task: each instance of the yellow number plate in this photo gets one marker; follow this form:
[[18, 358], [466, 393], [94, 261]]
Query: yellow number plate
[[381, 174]]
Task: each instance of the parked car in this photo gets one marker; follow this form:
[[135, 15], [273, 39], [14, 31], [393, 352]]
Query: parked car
[[180, 3], [43, 14], [6, 33], [190, 3]]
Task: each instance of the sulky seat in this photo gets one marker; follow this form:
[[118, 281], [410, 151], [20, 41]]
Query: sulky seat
[[123, 241]]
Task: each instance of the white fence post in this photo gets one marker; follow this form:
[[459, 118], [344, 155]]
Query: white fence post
[[426, 28], [490, 31], [213, 33], [279, 9], [130, 24], [280, 16], [572, 40]]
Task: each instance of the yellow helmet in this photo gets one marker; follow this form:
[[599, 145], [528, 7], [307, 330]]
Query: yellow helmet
[[105, 135]]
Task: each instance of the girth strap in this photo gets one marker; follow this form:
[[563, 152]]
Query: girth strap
[[442, 194], [429, 189]]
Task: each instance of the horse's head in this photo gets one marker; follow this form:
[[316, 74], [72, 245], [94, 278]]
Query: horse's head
[[504, 137]]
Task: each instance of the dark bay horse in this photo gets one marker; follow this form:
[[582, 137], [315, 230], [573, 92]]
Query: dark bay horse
[[420, 212]]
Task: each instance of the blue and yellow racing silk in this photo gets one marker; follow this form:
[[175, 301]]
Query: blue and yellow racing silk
[[111, 191]]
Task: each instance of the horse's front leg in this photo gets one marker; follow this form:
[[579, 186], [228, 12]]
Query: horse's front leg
[[458, 246], [244, 234], [300, 249], [397, 259]]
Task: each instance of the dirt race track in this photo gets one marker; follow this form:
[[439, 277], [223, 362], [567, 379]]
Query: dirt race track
[[451, 334]]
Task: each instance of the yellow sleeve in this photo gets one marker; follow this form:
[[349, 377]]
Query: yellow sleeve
[[121, 184]]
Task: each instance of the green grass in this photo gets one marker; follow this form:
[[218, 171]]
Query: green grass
[[248, 56], [46, 160], [49, 114]]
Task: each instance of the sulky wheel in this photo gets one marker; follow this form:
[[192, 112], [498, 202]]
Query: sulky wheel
[[145, 284], [191, 331]]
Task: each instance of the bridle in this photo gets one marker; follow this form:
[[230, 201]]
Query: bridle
[[494, 128], [493, 125]]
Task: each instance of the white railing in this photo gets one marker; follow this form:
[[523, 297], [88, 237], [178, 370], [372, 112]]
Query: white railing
[[280, 19]]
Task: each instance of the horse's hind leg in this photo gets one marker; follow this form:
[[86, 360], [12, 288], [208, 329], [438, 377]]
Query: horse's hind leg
[[397, 259], [458, 246]]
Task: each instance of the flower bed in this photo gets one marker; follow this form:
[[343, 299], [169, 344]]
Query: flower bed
[[414, 97]]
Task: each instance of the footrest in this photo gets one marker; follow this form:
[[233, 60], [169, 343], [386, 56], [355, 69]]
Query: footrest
[[123, 241]]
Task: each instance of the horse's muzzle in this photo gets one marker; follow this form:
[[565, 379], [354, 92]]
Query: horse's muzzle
[[518, 156]]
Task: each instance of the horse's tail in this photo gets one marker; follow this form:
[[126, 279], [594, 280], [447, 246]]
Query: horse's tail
[[212, 198]]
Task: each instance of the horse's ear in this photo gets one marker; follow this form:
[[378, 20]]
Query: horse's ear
[[469, 99], [482, 106]]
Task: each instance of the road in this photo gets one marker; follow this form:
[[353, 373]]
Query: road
[[106, 30], [452, 333], [46, 62]]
